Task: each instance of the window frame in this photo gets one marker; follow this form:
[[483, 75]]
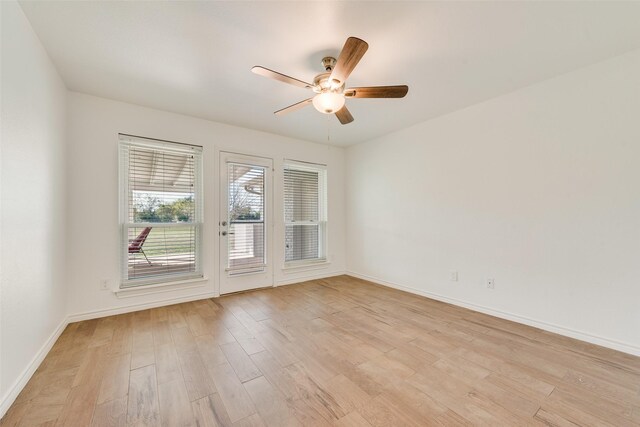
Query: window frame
[[323, 220], [125, 142]]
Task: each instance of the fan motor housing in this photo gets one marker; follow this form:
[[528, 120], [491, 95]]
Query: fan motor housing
[[321, 82]]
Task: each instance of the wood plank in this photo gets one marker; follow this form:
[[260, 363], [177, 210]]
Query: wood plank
[[175, 408], [270, 403], [196, 376], [315, 394], [142, 349], [210, 412], [197, 325], [240, 362], [379, 412], [55, 387], [612, 413], [384, 370], [276, 374], [176, 317], [103, 334], [248, 342], [250, 421], [122, 340], [306, 415], [80, 405], [115, 382], [167, 365], [111, 414], [354, 419], [86, 373], [142, 406], [347, 394], [235, 398], [81, 401], [14, 415], [210, 351], [414, 400], [162, 333], [39, 415]]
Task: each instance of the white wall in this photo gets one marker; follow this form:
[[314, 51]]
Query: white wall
[[93, 238], [32, 202], [539, 189]]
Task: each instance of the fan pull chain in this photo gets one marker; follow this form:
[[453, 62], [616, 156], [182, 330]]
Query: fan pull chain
[[328, 130]]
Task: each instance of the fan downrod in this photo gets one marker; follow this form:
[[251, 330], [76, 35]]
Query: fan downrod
[[329, 63]]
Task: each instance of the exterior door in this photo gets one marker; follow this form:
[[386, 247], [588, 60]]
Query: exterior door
[[245, 222]]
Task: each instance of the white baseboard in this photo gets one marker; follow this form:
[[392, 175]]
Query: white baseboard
[[550, 327], [15, 389], [305, 278], [96, 314]]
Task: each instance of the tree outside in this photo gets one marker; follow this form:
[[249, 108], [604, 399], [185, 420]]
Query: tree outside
[[149, 208]]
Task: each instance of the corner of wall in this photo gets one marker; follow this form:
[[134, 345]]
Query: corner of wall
[[34, 102]]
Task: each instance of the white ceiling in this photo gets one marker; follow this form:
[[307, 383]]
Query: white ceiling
[[195, 57]]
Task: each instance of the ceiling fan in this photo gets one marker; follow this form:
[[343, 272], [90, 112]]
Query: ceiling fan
[[329, 86]]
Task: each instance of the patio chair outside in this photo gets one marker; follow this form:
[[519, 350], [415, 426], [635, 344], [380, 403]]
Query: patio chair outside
[[135, 246]]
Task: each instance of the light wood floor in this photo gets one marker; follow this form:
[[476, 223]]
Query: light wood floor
[[339, 351]]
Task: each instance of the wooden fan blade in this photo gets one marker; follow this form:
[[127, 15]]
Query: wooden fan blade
[[377, 92], [352, 51], [344, 115], [265, 72], [294, 107]]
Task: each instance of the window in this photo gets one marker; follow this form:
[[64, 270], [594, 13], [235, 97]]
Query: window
[[305, 212], [161, 210]]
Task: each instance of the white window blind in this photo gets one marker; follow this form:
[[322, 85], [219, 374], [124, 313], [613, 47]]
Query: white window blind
[[161, 210], [305, 211]]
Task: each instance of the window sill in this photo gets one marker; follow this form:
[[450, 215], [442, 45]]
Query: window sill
[[155, 288], [305, 266]]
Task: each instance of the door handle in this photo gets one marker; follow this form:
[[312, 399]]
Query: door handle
[[224, 233]]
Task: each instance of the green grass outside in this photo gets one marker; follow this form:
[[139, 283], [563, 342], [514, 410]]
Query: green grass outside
[[167, 241]]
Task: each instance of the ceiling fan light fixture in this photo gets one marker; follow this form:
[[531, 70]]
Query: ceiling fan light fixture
[[328, 102], [329, 87]]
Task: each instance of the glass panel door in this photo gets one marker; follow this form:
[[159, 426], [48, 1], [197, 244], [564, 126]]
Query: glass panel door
[[245, 202]]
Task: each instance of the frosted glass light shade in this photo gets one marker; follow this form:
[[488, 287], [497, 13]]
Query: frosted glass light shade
[[328, 102]]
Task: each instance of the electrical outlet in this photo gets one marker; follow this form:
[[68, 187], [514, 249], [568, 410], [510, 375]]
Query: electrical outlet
[[491, 283], [104, 284], [453, 276]]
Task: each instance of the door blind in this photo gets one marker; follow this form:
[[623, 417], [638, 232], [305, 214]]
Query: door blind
[[246, 242]]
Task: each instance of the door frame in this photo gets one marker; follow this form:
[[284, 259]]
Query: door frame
[[253, 279]]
